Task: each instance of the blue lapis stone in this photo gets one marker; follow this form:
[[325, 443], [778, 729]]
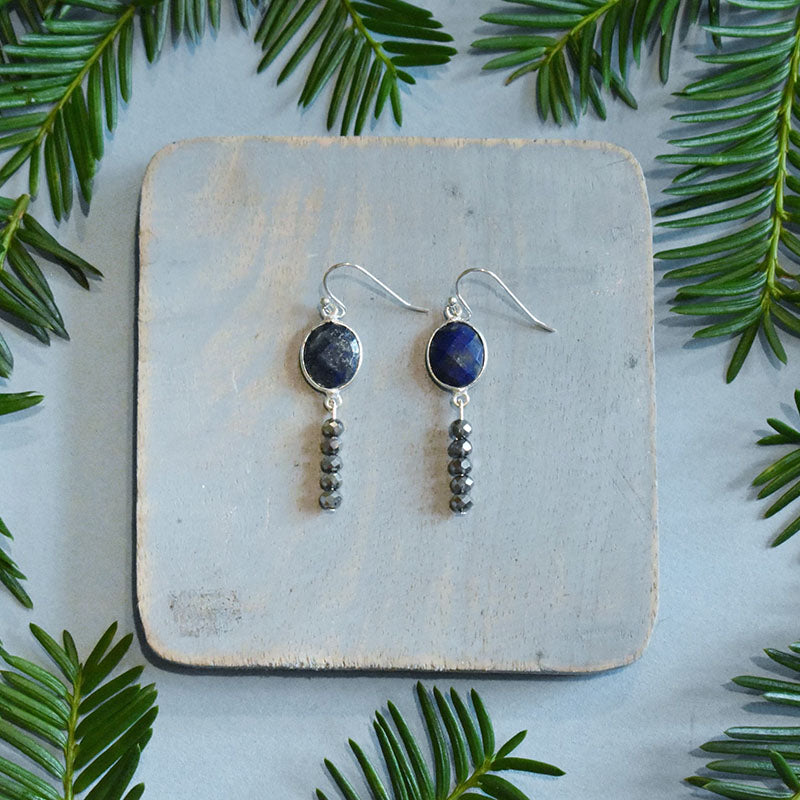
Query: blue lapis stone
[[456, 355], [331, 355]]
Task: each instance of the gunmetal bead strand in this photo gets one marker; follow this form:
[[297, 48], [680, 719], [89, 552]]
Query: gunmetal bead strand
[[460, 466], [331, 464]]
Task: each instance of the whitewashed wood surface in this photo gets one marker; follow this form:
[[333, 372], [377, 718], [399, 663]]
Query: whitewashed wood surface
[[555, 568]]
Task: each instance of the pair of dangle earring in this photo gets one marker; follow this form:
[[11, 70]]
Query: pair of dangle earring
[[330, 358], [456, 358]]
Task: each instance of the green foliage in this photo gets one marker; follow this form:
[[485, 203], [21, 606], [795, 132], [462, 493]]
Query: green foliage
[[782, 472], [741, 186], [363, 46], [571, 44], [465, 762], [28, 13], [81, 730], [25, 296], [64, 78], [28, 302], [10, 575], [11, 402], [754, 753]]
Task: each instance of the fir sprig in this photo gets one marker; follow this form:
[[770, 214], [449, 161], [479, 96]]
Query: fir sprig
[[365, 47], [742, 186], [571, 44], [29, 303], [10, 574], [752, 754], [465, 761], [25, 295], [62, 82], [29, 13], [782, 473], [82, 731]]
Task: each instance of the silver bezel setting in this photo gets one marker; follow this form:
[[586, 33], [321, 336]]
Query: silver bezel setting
[[311, 382], [439, 383]]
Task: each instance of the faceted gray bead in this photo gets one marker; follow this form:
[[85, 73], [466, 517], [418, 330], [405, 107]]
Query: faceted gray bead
[[331, 446], [330, 481], [460, 429], [330, 463], [330, 500], [459, 466], [332, 427], [460, 504], [459, 448], [461, 484]]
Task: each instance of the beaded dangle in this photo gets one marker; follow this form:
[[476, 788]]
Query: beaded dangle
[[330, 357], [456, 357]]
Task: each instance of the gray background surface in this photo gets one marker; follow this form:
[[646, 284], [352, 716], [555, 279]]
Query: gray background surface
[[66, 486], [237, 566]]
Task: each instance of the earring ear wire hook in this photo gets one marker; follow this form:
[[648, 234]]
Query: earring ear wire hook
[[502, 283], [341, 308]]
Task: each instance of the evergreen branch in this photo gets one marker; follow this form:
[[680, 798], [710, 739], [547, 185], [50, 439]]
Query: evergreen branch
[[46, 77], [30, 15], [747, 285], [363, 46], [25, 295], [12, 226], [753, 754], [781, 473], [10, 575], [465, 763], [576, 63], [28, 302], [82, 731], [61, 84]]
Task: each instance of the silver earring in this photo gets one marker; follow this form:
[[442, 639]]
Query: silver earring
[[330, 358], [456, 357]]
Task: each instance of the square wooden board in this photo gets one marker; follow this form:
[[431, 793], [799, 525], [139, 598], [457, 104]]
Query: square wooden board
[[554, 569]]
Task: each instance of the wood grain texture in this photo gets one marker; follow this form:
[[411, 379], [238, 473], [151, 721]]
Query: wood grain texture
[[555, 569]]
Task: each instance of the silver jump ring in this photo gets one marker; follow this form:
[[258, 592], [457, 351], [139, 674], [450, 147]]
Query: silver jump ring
[[460, 399], [333, 401], [330, 309], [454, 310]]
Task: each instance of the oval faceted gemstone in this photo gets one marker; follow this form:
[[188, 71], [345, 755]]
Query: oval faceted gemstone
[[456, 355], [331, 355]]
